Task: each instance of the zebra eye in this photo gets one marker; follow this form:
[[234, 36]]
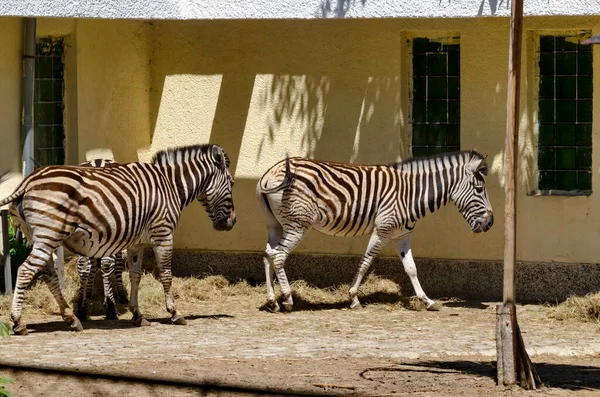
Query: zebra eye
[[479, 188]]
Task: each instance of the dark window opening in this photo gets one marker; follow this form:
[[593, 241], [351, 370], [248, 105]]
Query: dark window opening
[[49, 142], [565, 116], [435, 96]]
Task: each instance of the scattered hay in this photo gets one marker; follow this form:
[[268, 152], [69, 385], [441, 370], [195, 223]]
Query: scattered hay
[[580, 308], [189, 291]]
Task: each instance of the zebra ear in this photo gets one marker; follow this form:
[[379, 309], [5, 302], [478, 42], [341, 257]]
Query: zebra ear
[[220, 157], [478, 165]]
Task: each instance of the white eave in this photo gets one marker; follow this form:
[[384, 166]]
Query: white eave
[[288, 9]]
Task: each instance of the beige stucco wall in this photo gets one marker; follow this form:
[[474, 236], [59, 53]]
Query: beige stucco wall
[[11, 48], [330, 89], [337, 90]]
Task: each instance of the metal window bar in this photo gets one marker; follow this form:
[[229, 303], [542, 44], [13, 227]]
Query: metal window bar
[[428, 147], [581, 172], [48, 101]]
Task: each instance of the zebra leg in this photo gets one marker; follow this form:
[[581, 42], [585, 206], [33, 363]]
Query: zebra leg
[[65, 309], [278, 255], [27, 271], [275, 233], [164, 256], [107, 265], [86, 272], [134, 258], [403, 248], [118, 272], [376, 244]]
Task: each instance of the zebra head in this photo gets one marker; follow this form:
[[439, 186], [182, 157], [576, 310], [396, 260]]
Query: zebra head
[[470, 195], [216, 192]]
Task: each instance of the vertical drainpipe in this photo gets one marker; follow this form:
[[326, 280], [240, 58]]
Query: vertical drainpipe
[[29, 74]]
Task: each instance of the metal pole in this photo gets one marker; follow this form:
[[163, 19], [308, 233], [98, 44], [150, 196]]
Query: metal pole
[[6, 251], [28, 87]]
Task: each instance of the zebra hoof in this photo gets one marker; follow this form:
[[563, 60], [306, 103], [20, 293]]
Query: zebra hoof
[[76, 326], [141, 322], [272, 307], [434, 307], [20, 330], [111, 316], [287, 307], [178, 320], [356, 305], [82, 315]]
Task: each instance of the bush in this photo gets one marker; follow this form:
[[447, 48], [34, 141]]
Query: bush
[[18, 250]]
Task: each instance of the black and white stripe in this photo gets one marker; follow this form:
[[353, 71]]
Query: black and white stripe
[[100, 211], [111, 269], [384, 201]]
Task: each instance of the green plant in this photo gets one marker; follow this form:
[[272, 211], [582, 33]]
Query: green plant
[[3, 391], [18, 251], [4, 329]]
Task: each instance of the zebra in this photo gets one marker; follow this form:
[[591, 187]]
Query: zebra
[[384, 201], [110, 266], [99, 211]]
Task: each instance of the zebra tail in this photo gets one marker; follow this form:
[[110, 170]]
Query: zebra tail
[[287, 180], [20, 191]]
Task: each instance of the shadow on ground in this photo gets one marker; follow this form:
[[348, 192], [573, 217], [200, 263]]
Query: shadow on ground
[[553, 375], [301, 303], [102, 324]]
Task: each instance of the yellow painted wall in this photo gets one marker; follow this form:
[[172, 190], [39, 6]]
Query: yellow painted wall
[[337, 90], [329, 89], [11, 48]]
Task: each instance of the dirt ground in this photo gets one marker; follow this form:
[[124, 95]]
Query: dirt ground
[[231, 347]]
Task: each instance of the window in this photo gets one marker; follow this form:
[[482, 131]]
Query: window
[[565, 116], [435, 96], [49, 147]]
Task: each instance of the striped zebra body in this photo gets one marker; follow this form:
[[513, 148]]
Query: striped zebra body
[[111, 268], [98, 212], [383, 201]]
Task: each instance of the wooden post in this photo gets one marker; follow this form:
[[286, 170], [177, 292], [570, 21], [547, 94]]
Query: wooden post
[[513, 363]]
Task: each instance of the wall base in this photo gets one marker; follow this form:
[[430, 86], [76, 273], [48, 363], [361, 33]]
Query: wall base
[[465, 279]]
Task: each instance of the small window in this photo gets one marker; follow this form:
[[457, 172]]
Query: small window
[[435, 96], [565, 116], [49, 139]]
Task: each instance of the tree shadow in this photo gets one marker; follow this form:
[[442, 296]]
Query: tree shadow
[[102, 324], [337, 8], [553, 375]]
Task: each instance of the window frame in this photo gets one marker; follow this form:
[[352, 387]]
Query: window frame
[[447, 38], [535, 97]]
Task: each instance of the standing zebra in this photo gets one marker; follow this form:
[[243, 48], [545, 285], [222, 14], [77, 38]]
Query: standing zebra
[[97, 212], [384, 201], [110, 266]]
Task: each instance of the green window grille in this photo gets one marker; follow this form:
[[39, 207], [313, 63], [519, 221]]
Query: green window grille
[[565, 116], [49, 146], [435, 96]]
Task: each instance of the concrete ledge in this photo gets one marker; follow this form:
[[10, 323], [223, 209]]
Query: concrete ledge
[[466, 279]]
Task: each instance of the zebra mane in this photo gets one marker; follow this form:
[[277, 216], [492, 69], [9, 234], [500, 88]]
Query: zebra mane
[[176, 154], [471, 154]]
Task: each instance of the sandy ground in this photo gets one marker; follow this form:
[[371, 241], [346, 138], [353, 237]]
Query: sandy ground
[[230, 347]]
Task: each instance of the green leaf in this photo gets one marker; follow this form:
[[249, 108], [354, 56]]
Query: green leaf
[[4, 330], [3, 391]]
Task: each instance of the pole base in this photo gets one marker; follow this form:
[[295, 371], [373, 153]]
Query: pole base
[[513, 364]]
